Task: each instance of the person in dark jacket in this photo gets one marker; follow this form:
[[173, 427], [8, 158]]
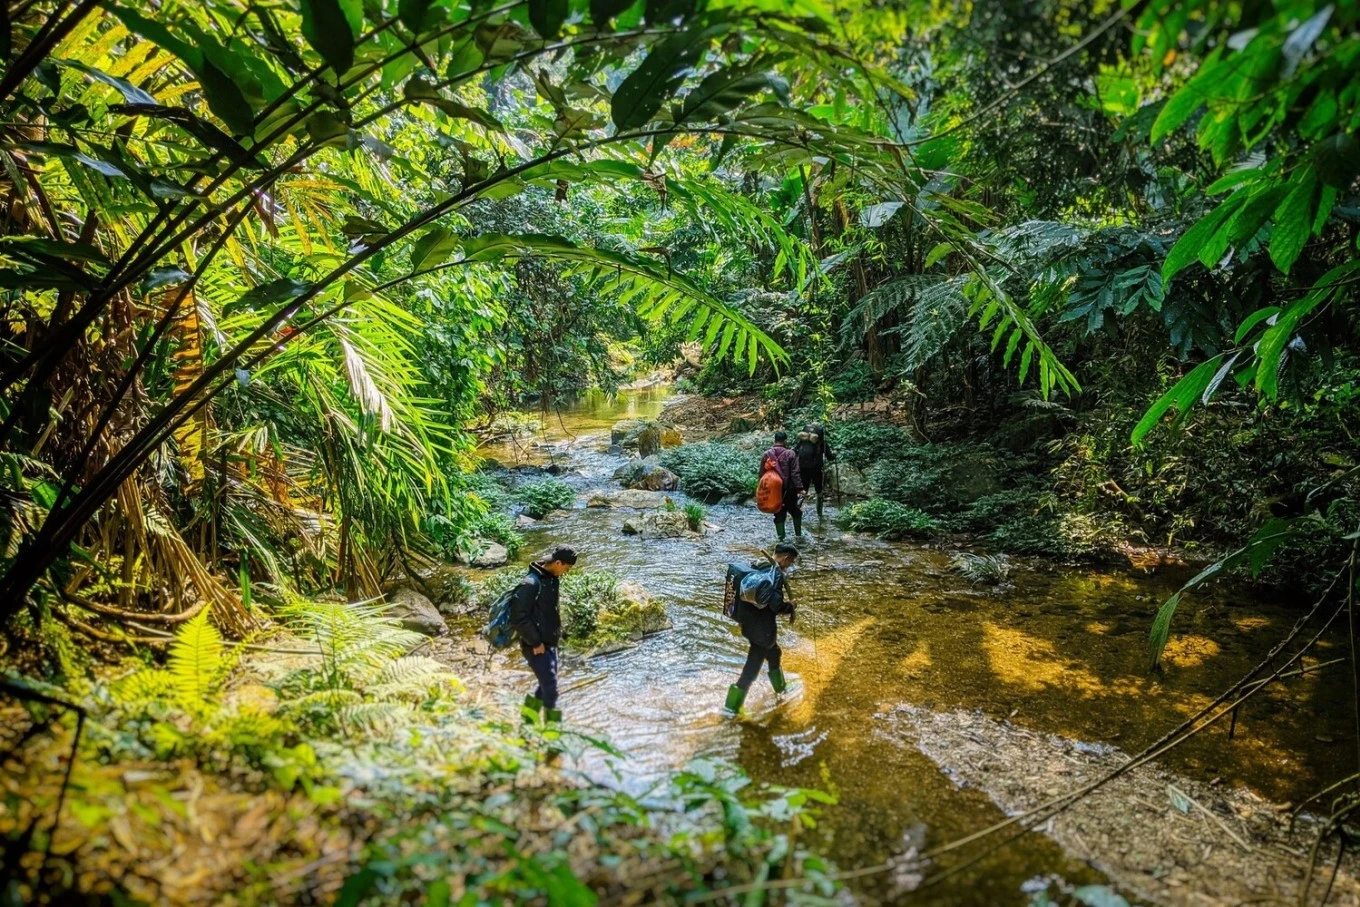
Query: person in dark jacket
[[759, 627], [535, 615], [786, 462], [814, 454]]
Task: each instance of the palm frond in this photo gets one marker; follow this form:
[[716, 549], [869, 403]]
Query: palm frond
[[656, 292], [931, 311]]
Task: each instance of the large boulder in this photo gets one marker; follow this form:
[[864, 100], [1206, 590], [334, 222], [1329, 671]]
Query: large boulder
[[634, 498], [647, 438], [625, 429], [448, 588], [416, 612], [629, 472], [648, 441], [490, 554], [646, 474], [851, 482], [656, 478], [658, 524]]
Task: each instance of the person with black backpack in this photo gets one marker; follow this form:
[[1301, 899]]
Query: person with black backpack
[[760, 597], [814, 453], [537, 621]]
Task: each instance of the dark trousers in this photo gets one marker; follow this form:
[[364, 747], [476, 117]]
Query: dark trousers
[[545, 669], [791, 508], [757, 656]]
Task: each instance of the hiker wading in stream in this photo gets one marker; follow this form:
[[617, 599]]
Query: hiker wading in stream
[[537, 620], [814, 453], [758, 625], [782, 460]]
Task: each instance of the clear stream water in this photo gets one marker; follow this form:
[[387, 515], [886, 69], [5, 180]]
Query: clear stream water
[[881, 623]]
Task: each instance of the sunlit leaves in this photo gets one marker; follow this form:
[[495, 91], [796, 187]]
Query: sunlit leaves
[[1183, 395], [432, 249], [1293, 221]]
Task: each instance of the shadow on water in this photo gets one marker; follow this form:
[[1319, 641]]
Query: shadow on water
[[1056, 650]]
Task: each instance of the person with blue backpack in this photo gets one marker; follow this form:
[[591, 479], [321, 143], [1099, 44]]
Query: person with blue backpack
[[760, 595], [536, 618]]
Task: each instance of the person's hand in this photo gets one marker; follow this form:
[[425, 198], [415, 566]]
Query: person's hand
[[539, 649]]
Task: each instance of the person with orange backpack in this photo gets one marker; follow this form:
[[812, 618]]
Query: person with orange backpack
[[780, 487]]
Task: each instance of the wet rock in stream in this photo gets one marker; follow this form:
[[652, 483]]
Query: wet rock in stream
[[662, 524], [633, 498]]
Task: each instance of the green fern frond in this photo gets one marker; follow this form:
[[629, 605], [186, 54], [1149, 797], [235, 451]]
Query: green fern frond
[[329, 700], [375, 717], [249, 728], [196, 662], [412, 678], [413, 669], [142, 688], [931, 311]]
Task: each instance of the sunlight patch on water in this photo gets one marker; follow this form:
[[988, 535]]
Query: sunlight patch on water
[[1190, 651]]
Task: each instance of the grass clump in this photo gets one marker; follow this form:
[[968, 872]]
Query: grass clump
[[694, 515], [888, 520], [983, 569], [712, 470], [542, 497]]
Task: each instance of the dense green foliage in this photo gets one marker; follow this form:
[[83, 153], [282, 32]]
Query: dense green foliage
[[887, 519], [712, 470], [542, 496], [267, 269]]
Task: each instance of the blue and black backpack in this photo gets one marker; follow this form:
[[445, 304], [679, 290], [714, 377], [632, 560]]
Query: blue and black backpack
[[498, 630]]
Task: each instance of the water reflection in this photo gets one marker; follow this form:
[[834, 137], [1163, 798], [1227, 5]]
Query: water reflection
[[881, 623]]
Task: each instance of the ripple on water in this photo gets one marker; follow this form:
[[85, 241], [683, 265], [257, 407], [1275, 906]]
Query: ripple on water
[[1060, 651]]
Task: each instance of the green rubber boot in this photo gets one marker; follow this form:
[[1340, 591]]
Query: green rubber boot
[[735, 697], [779, 529], [552, 732], [777, 680], [532, 710], [798, 526]]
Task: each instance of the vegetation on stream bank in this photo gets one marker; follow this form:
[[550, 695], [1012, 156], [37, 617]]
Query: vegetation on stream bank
[[328, 763], [1058, 275]]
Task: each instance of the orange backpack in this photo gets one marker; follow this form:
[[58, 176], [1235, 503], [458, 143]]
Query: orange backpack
[[770, 490]]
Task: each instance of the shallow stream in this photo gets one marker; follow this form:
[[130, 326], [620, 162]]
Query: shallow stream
[[1055, 649]]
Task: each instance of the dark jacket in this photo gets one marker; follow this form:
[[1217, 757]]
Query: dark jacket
[[758, 624], [813, 456], [786, 462], [534, 610]]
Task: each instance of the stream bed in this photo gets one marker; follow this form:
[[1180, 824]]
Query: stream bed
[[886, 625]]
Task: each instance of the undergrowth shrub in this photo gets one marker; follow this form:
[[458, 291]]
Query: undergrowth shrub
[[887, 519], [712, 470], [861, 443], [595, 607], [543, 496], [983, 569], [498, 527]]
